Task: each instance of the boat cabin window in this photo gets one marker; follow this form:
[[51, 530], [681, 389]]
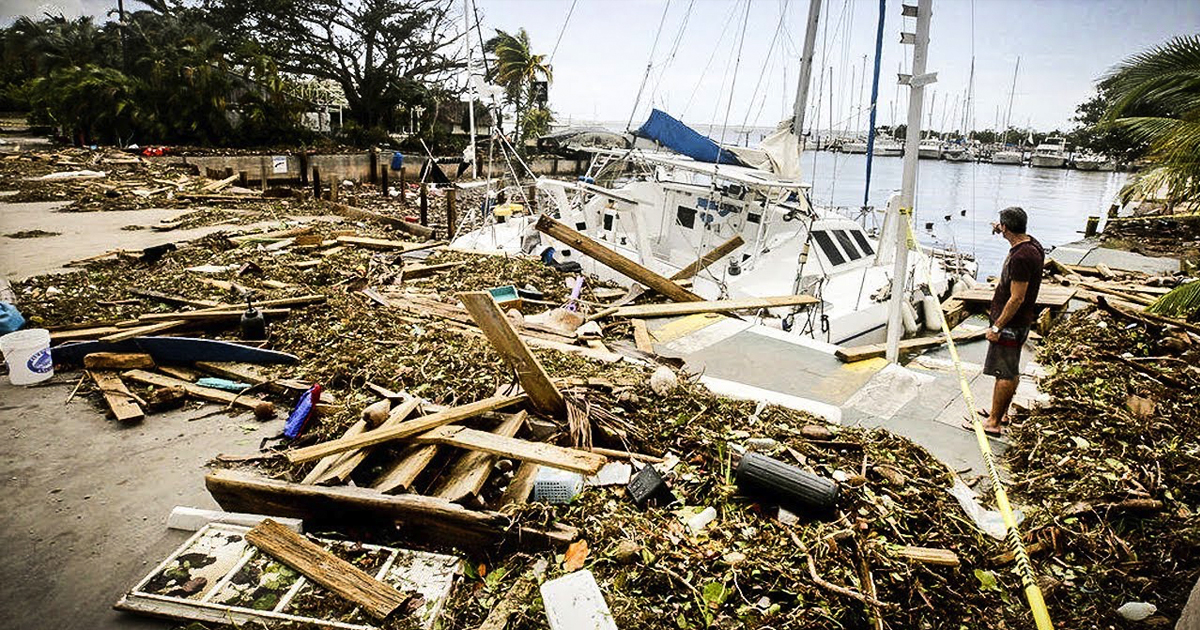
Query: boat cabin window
[[686, 216], [848, 246], [862, 242], [827, 246]]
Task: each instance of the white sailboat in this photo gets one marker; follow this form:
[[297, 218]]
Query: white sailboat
[[1006, 154], [664, 210], [930, 149]]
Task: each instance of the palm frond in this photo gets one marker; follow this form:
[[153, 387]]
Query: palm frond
[[1183, 302]]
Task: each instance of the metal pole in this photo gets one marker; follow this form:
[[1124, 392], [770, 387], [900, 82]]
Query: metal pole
[[912, 139], [810, 43], [470, 85]]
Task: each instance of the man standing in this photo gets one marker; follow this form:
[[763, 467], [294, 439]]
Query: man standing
[[1013, 312]]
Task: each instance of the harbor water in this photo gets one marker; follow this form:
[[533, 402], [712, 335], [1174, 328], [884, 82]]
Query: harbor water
[[1058, 201]]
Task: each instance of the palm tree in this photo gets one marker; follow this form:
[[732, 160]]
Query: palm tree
[[517, 68], [1156, 98]]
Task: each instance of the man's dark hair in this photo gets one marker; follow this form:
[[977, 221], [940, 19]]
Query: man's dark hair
[[1015, 219]]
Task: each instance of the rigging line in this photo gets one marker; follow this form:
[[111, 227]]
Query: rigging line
[[662, 67], [766, 60], [561, 31], [649, 65], [715, 47], [736, 64]]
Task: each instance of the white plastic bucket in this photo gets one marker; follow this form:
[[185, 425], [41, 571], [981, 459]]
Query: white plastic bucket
[[27, 353]]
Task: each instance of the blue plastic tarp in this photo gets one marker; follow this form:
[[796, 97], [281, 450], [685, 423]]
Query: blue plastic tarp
[[673, 134]]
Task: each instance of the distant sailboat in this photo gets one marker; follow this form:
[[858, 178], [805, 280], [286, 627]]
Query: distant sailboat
[[1006, 155]]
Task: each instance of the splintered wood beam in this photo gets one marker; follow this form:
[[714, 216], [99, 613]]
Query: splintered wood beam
[[233, 314], [468, 475], [401, 473], [120, 401], [117, 361], [928, 555], [312, 561], [521, 485], [614, 261], [379, 243], [130, 333], [512, 448], [715, 306], [871, 351], [486, 313], [641, 336], [344, 465], [436, 519], [717, 253], [399, 223], [404, 429], [207, 393]]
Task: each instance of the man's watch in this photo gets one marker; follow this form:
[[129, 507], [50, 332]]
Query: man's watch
[[995, 329]]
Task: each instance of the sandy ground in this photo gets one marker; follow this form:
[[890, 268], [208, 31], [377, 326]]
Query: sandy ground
[[85, 499]]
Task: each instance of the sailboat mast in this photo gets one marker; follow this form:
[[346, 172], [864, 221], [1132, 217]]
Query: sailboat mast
[[806, 61], [874, 99], [1011, 91], [912, 139], [470, 85]]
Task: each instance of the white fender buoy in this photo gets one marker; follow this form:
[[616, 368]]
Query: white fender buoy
[[932, 311], [909, 315]]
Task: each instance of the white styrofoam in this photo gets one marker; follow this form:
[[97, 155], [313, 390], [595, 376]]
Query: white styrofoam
[[574, 602], [192, 519]]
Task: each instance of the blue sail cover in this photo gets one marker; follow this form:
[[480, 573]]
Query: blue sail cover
[[678, 137]]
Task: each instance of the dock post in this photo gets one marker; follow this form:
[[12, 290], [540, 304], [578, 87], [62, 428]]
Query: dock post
[[302, 157], [373, 169], [316, 182], [451, 211], [383, 179], [1093, 227], [424, 204]]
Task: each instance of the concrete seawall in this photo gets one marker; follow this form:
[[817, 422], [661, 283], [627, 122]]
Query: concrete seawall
[[283, 167]]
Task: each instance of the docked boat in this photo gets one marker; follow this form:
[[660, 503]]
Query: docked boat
[[857, 147], [1008, 156], [930, 149], [1089, 161], [886, 147], [958, 153], [1051, 153]]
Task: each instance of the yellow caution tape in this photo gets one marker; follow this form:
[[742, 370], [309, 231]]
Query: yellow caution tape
[[1033, 594]]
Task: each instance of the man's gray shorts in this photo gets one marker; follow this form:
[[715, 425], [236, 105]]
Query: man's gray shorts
[[1004, 356]]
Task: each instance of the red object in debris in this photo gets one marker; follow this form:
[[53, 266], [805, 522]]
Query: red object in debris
[[154, 151]]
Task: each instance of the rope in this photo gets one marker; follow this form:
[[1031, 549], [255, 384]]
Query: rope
[[733, 82], [767, 61], [1033, 593], [561, 31], [649, 65]]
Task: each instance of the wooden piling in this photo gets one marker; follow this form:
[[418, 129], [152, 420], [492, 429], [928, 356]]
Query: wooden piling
[[403, 197], [1093, 227], [263, 174], [451, 194], [243, 179], [316, 182], [373, 170], [302, 158], [424, 204], [383, 179]]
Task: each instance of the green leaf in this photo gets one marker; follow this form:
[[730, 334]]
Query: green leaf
[[714, 594], [987, 580]]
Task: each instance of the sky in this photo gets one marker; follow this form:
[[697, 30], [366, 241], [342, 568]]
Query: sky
[[697, 74]]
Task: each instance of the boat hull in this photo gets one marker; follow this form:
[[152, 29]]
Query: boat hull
[[1048, 161], [1006, 158], [929, 154]]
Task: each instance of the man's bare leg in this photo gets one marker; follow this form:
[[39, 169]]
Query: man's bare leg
[[1002, 395]]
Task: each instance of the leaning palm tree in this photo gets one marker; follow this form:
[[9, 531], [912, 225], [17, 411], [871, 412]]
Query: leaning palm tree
[[517, 68], [1157, 100]]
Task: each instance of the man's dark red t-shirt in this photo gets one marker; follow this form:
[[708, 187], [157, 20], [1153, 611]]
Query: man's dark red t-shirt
[[1024, 264]]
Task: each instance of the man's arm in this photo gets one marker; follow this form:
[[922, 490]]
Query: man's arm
[[1016, 298]]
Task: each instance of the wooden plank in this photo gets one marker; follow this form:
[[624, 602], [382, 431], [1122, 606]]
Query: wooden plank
[[301, 300], [173, 299], [521, 485], [614, 261], [927, 555], [438, 519], [209, 315], [120, 401], [641, 336], [348, 461], [403, 430], [714, 306], [400, 474], [512, 448], [141, 331], [323, 466], [486, 313], [379, 243], [702, 263], [468, 475], [398, 223], [218, 185], [1128, 297], [118, 361], [1048, 295], [207, 393], [249, 373], [312, 561], [180, 371], [871, 351]]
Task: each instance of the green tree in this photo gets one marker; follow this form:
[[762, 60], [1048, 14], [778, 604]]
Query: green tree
[[90, 103], [518, 70], [1107, 140], [1156, 99]]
